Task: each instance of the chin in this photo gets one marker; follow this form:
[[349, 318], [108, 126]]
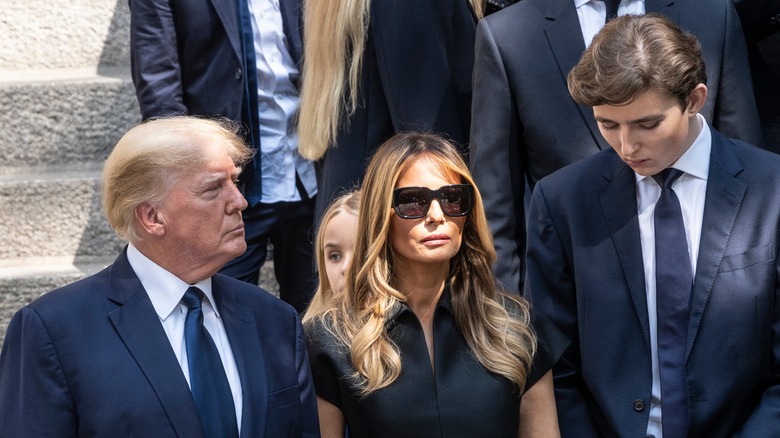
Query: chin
[[236, 249]]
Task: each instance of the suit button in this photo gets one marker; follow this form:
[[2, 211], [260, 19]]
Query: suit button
[[238, 73], [639, 405]]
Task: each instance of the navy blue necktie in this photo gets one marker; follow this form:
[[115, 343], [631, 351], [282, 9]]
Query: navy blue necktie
[[208, 381], [612, 9], [674, 281]]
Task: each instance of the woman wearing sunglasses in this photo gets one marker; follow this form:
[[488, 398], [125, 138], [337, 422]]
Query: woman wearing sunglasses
[[421, 343]]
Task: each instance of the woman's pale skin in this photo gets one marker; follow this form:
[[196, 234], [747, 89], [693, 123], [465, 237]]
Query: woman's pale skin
[[423, 249], [338, 246]]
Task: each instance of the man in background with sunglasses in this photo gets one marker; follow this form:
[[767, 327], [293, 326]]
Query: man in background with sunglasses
[[658, 257]]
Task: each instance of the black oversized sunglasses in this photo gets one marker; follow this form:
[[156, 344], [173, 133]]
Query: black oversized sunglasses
[[414, 202]]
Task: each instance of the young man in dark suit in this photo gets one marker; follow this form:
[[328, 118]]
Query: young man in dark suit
[[159, 344], [526, 126], [658, 257]]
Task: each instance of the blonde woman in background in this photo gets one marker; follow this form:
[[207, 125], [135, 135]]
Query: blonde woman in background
[[421, 342], [335, 246], [373, 69]]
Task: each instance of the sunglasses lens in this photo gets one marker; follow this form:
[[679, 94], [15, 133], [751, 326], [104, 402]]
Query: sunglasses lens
[[455, 200], [412, 202]]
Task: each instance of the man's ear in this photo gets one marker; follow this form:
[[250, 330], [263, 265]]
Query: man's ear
[[696, 99], [149, 220]]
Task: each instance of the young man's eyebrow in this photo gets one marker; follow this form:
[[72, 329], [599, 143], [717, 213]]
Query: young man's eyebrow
[[650, 118]]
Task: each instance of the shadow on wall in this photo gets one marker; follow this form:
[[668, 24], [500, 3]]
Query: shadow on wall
[[116, 47], [98, 238]]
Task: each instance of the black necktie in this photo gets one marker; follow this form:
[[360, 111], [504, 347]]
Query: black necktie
[[612, 9], [208, 381], [674, 281]]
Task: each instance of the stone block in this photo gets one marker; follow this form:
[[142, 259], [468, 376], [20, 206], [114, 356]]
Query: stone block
[[64, 116], [63, 34], [48, 212]]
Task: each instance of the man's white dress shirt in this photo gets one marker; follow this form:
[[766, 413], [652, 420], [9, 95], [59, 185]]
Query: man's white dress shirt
[[165, 290]]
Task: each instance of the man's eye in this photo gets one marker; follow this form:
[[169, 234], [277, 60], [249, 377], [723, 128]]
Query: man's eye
[[609, 126], [650, 125]]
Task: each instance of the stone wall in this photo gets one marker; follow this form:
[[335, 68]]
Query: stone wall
[[66, 97]]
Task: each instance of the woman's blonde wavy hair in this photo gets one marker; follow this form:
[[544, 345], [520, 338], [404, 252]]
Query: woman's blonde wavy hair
[[496, 325], [334, 39]]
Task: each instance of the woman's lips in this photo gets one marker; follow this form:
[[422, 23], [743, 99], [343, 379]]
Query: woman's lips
[[436, 239]]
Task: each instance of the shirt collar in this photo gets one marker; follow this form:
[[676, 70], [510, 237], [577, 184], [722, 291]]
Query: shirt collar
[[165, 290], [696, 160], [445, 302]]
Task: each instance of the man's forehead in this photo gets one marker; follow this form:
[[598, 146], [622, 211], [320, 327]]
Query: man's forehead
[[645, 107]]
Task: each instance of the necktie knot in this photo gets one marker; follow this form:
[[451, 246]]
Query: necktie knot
[[193, 298], [667, 177]]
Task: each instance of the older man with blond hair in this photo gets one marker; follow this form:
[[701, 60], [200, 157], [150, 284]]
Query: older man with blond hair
[[159, 344]]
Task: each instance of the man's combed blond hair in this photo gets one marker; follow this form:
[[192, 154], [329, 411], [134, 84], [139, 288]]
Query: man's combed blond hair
[[496, 325], [149, 158], [334, 40]]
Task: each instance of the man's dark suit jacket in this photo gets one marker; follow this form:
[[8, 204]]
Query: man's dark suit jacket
[[187, 58], [525, 125], [416, 75], [585, 273], [761, 23], [92, 359]]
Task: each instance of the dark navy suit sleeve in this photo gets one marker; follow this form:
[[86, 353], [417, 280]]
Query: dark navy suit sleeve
[[551, 291], [154, 56], [34, 396], [310, 421], [496, 158]]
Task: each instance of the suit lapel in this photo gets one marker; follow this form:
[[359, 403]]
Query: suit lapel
[[228, 15], [618, 202], [724, 196], [137, 324], [242, 333], [565, 38], [665, 7]]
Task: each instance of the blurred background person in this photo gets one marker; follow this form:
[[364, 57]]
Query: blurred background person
[[761, 24], [421, 342]]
